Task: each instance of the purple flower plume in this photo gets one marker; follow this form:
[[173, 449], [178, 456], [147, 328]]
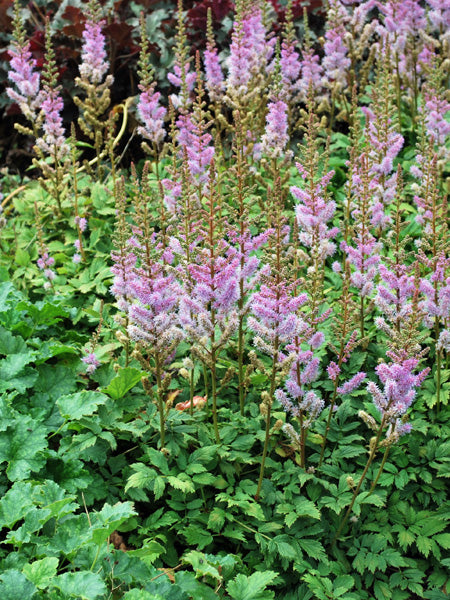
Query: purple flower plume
[[27, 80], [399, 386], [53, 140], [275, 137], [151, 114], [93, 55], [213, 73], [313, 213]]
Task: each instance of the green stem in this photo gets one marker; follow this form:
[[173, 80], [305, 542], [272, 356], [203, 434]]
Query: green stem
[[327, 428], [380, 470], [160, 404], [358, 487], [269, 410], [241, 365], [214, 394]]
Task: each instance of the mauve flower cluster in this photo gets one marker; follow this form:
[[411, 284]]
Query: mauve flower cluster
[[399, 383], [312, 76], [213, 73], [196, 143], [435, 110], [26, 79], [313, 213], [384, 144], [274, 317], [92, 362], [53, 142], [93, 54], [151, 114], [275, 137], [336, 62], [249, 51], [183, 99]]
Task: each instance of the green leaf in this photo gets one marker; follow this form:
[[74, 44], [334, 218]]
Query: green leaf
[[15, 586], [197, 536], [143, 477], [443, 539], [312, 548], [139, 595], [110, 518], [253, 587], [201, 565], [21, 446], [189, 584], [41, 572], [185, 486], [158, 460], [82, 585], [216, 519], [81, 404], [306, 508], [424, 545], [15, 504], [123, 382]]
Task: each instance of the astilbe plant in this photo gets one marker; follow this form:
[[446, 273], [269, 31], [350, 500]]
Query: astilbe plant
[[208, 307], [383, 142], [150, 112], [97, 89], [273, 319]]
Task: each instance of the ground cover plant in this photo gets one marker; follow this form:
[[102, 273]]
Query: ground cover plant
[[225, 370]]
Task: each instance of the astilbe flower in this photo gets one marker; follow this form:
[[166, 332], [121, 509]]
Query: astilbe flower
[[151, 114], [313, 212], [194, 143], [92, 362], [435, 110], [404, 21], [93, 65], [384, 144], [274, 319], [275, 137], [154, 316], [53, 141], [336, 62], [399, 389], [249, 51], [439, 17], [312, 76], [364, 255], [213, 300], [25, 77], [45, 262], [290, 66], [213, 71], [183, 78]]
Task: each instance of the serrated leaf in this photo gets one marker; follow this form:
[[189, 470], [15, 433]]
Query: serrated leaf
[[15, 586], [143, 477], [40, 572], [424, 545], [21, 446], [82, 585], [15, 504], [110, 518], [306, 508], [158, 460], [216, 519], [139, 595], [158, 487], [406, 538], [180, 484], [197, 536], [443, 539], [312, 548], [253, 587], [80, 404], [123, 382], [201, 565]]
